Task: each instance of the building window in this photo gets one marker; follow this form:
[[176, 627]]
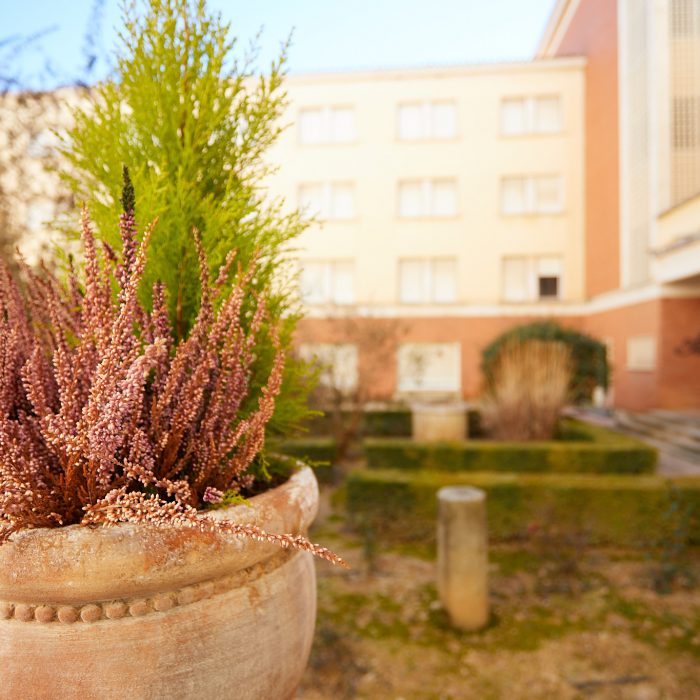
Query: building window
[[685, 18], [321, 125], [327, 282], [427, 198], [531, 115], [332, 201], [686, 122], [641, 353], [531, 279], [429, 367], [337, 363], [532, 194], [548, 287], [423, 121], [428, 281]]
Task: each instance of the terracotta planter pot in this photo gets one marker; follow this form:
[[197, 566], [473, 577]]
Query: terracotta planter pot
[[139, 612]]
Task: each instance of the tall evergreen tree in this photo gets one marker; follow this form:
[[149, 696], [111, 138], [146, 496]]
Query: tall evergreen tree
[[192, 121]]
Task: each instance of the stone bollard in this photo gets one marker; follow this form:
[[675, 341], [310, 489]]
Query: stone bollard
[[463, 556]]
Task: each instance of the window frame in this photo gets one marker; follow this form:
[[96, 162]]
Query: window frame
[[531, 204], [326, 355], [409, 385], [533, 275], [429, 279], [427, 192], [428, 109], [529, 117], [329, 276], [632, 364], [326, 120], [326, 212]]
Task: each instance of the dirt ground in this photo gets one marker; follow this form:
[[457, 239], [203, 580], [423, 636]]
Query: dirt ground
[[568, 622]]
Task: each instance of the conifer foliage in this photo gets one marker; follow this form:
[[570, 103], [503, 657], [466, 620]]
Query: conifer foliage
[[193, 122]]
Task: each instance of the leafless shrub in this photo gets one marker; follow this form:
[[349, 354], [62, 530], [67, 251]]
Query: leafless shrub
[[529, 389]]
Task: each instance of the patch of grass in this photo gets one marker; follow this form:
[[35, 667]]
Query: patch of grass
[[662, 630], [418, 550], [521, 629], [373, 616], [511, 560]]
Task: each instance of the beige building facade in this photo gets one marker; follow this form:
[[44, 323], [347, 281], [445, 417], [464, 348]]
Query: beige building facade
[[561, 188], [440, 190]]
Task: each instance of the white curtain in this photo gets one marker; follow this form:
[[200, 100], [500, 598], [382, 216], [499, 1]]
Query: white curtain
[[413, 281], [342, 125], [342, 201]]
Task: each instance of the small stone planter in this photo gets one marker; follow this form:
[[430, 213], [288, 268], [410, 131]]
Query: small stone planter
[[439, 422], [146, 613]]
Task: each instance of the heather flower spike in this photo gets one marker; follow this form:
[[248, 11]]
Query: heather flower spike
[[103, 419]]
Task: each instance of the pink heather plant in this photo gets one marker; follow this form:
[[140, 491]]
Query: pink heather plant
[[103, 420]]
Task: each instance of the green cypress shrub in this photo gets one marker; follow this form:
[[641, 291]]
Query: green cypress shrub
[[187, 114]]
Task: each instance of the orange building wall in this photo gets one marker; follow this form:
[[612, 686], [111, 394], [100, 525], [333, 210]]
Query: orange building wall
[[593, 33], [634, 390], [673, 384], [679, 385], [377, 349]]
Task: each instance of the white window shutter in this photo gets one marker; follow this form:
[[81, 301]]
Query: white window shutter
[[547, 117], [342, 205], [549, 267], [343, 283], [411, 122], [444, 198], [312, 200], [413, 287], [516, 283], [444, 280], [444, 120], [311, 127], [313, 282], [513, 195], [342, 125], [513, 116], [412, 199], [548, 194]]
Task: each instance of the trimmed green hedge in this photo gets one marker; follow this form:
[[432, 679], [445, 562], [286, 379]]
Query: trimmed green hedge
[[401, 507], [319, 452], [389, 423], [593, 450], [394, 423]]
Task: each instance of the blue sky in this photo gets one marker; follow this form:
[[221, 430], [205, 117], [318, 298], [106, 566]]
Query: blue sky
[[328, 34]]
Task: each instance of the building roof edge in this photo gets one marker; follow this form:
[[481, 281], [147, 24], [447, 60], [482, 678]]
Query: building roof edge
[[558, 21], [571, 63]]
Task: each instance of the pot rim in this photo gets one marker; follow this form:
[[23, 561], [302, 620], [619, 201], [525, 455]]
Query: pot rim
[[77, 564]]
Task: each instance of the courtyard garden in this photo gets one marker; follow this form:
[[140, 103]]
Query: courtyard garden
[[568, 620], [166, 442], [593, 567], [593, 571]]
